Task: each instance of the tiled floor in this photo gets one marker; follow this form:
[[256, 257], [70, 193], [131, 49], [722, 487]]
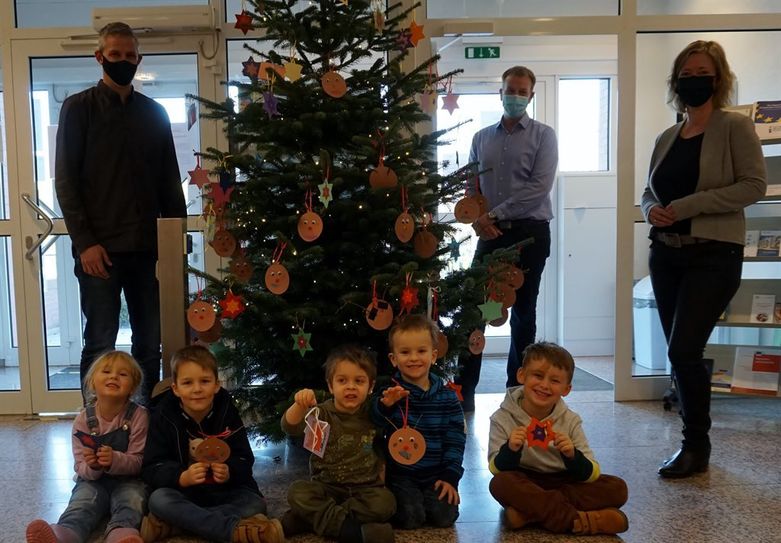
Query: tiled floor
[[739, 499]]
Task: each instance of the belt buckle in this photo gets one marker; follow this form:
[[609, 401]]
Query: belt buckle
[[671, 239]]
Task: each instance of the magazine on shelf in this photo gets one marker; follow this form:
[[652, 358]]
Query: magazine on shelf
[[752, 243], [769, 243], [756, 371], [773, 189], [722, 377], [762, 308], [767, 119]]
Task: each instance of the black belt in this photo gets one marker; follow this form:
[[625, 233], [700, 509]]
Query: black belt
[[671, 239], [519, 223]]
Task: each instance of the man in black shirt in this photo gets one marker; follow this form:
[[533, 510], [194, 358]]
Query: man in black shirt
[[116, 173]]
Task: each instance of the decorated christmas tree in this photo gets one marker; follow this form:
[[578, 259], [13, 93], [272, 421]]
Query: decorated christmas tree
[[326, 205]]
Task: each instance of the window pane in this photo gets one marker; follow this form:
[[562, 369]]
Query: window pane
[[3, 154], [9, 348], [680, 7], [451, 9], [583, 132], [50, 13]]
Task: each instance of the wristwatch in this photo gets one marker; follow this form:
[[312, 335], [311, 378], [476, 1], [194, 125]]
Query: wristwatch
[[492, 215]]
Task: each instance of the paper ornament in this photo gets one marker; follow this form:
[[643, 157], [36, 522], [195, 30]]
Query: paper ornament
[[502, 293], [243, 21], [310, 226], [379, 20], [482, 201], [292, 70], [476, 342], [220, 196], [425, 244], [415, 33], [277, 278], [223, 242], [409, 297], [88, 440], [301, 342], [232, 305], [490, 310], [250, 68], [241, 269], [212, 450], [502, 318], [199, 176], [270, 104], [404, 227], [514, 277], [268, 71], [442, 344], [316, 432], [403, 41], [379, 313], [226, 180], [450, 102], [467, 210], [333, 84], [428, 100], [201, 315], [212, 334], [326, 195], [455, 388], [407, 446], [540, 434]]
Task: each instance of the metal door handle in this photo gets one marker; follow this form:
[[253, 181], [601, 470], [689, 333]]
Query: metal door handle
[[32, 246]]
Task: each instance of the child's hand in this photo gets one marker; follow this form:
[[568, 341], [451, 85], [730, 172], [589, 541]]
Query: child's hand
[[305, 398], [393, 394], [448, 491], [194, 475], [563, 443], [220, 472], [517, 439], [91, 458], [105, 456]]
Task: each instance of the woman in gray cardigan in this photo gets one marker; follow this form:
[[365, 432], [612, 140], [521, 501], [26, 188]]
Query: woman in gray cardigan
[[704, 171]]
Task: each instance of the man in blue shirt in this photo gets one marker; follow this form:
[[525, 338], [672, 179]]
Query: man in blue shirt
[[518, 157]]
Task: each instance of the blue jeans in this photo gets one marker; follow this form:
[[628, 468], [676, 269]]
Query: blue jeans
[[133, 273], [523, 317], [418, 504], [122, 498], [693, 285], [211, 516]]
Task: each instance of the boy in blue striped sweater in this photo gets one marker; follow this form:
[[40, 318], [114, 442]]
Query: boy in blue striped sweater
[[426, 491]]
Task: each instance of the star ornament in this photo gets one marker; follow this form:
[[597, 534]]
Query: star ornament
[[199, 177], [292, 70], [457, 389], [221, 196], [450, 102], [232, 306], [409, 299], [250, 68], [270, 104], [403, 41], [491, 310], [540, 434], [301, 342], [325, 192], [415, 33], [243, 21]]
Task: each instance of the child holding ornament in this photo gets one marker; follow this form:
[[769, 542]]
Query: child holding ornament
[[345, 497], [108, 444], [198, 461], [544, 471], [424, 428]]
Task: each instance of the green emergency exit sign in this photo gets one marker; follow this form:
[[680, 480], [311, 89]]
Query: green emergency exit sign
[[481, 52]]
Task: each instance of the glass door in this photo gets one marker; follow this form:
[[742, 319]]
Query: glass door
[[46, 74]]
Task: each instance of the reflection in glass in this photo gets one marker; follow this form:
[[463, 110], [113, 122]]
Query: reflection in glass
[[698, 7], [3, 155], [481, 9], [9, 347], [165, 78], [55, 13]]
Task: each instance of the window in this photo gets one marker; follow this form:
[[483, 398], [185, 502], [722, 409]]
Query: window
[[584, 125]]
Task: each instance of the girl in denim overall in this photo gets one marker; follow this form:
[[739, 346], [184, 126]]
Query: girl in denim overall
[[108, 445]]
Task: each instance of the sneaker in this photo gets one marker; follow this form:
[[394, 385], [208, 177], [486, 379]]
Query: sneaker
[[514, 519], [39, 531], [153, 529], [603, 521], [257, 530]]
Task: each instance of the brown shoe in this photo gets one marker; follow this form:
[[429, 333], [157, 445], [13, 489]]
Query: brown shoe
[[40, 531], [603, 521], [292, 524], [514, 519], [153, 529], [257, 530]]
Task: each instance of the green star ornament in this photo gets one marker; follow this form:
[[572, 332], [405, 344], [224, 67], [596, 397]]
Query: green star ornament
[[491, 310], [301, 341]]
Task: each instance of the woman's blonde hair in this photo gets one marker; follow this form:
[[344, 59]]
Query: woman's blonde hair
[[107, 360], [723, 84]]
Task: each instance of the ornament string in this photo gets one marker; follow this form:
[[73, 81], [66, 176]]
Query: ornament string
[[277, 255], [404, 202]]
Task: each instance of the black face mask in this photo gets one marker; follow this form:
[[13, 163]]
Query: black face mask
[[120, 72], [695, 90]]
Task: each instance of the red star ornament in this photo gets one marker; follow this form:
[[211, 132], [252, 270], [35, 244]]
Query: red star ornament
[[232, 306], [450, 102], [220, 196], [301, 342], [539, 434], [415, 33], [457, 389], [199, 177], [409, 299], [243, 21]]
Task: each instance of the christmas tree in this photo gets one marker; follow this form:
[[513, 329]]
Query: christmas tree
[[327, 202]]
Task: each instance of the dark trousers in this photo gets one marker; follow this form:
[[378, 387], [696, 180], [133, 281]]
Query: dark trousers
[[133, 273], [418, 504], [693, 285], [523, 317], [553, 500]]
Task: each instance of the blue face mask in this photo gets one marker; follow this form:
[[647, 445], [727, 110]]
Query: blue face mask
[[514, 106]]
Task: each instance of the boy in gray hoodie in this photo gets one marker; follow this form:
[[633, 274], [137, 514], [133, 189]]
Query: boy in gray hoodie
[[544, 471]]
